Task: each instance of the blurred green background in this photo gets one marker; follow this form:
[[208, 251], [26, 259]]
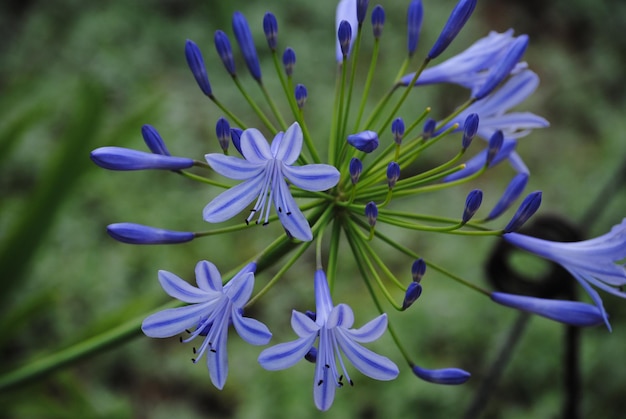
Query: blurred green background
[[79, 75]]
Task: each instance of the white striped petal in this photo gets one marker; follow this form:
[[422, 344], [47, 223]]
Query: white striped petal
[[312, 177], [208, 276], [173, 321], [182, 290], [234, 167], [285, 355], [217, 359], [324, 385], [303, 325], [254, 146], [252, 331], [240, 289], [289, 145], [231, 202], [340, 316], [370, 331], [367, 362], [293, 221]]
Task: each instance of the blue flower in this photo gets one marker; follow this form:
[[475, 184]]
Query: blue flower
[[264, 169], [120, 158], [140, 234], [332, 325], [212, 309], [471, 67], [598, 262], [346, 10]]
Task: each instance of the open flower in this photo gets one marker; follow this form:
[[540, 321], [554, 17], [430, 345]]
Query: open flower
[[212, 309], [332, 325], [597, 262], [264, 169]]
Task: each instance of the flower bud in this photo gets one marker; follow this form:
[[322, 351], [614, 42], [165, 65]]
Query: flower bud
[[225, 51], [472, 203], [470, 128], [301, 95], [289, 61], [344, 35], [414, 19], [366, 141], [356, 167], [413, 292], [393, 174], [378, 21], [118, 158], [397, 128], [311, 356], [429, 128], [361, 10], [246, 44], [235, 136], [153, 140], [511, 193], [371, 212], [495, 144], [270, 27], [418, 269], [139, 234], [448, 376], [529, 206], [573, 313], [459, 16], [196, 65], [222, 131]]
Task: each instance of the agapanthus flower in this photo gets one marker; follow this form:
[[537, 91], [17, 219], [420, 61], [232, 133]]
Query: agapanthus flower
[[212, 309], [598, 262], [333, 326], [264, 169]]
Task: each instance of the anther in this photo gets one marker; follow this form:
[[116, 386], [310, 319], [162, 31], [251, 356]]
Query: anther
[[194, 350], [319, 383], [351, 383]]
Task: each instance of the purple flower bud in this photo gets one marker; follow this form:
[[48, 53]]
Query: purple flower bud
[[225, 51], [366, 141], [448, 376], [569, 312], [470, 128], [153, 140], [361, 10], [139, 234], [504, 67], [429, 128], [397, 128], [459, 16], [511, 193], [418, 269], [356, 167], [413, 292], [246, 44], [371, 212], [378, 21], [311, 356], [529, 206], [222, 131], [301, 95], [311, 315], [495, 144], [235, 136], [344, 35], [289, 61], [393, 174], [472, 203], [414, 19], [196, 65], [270, 27], [118, 158]]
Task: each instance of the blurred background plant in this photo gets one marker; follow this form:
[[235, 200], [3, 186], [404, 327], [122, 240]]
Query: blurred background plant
[[78, 75]]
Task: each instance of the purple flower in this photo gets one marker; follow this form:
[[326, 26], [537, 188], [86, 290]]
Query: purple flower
[[366, 141], [132, 233], [598, 262], [333, 327], [119, 158], [264, 169], [212, 309]]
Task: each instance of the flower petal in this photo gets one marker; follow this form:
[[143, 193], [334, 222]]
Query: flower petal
[[293, 220], [182, 290], [370, 331], [240, 289], [234, 167], [303, 325], [312, 177], [173, 321], [254, 146], [208, 276], [323, 301], [324, 384], [368, 362], [340, 316], [217, 357], [285, 355], [289, 145], [252, 331], [231, 202]]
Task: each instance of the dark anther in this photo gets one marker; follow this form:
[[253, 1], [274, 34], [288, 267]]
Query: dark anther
[[319, 383], [557, 281], [340, 378], [339, 383], [352, 383], [280, 209], [194, 350], [180, 338], [289, 213], [266, 223], [253, 210], [213, 350], [188, 331], [327, 366], [193, 360], [247, 223]]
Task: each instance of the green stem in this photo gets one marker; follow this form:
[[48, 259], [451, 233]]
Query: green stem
[[368, 83], [238, 122], [255, 107], [275, 111]]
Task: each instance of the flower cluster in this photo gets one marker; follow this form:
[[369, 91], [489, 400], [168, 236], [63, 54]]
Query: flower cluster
[[350, 197]]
